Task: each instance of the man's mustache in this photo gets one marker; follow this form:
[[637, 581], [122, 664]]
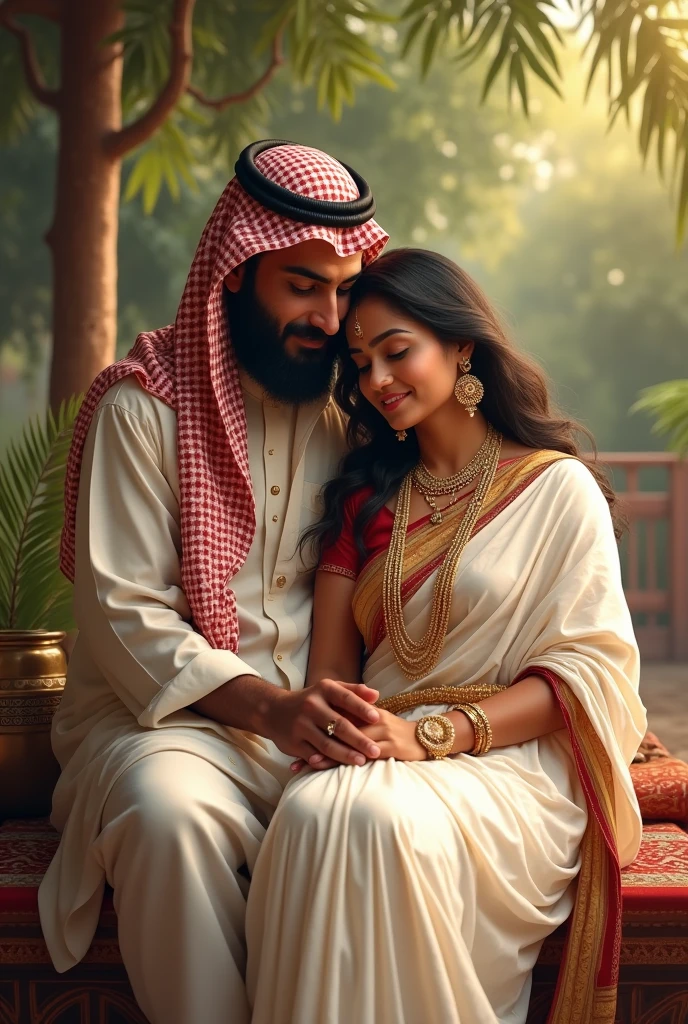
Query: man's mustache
[[307, 332]]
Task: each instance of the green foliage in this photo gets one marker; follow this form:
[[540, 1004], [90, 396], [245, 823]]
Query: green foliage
[[668, 404], [593, 285], [33, 592], [166, 158], [328, 49], [323, 42], [17, 104], [644, 45], [26, 186], [521, 32]]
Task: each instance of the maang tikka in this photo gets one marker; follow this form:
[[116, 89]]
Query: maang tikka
[[468, 389]]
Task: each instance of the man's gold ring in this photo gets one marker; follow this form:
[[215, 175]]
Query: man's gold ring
[[331, 726]]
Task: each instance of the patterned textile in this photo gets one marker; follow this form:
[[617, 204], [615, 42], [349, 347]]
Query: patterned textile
[[658, 877], [191, 367], [661, 786]]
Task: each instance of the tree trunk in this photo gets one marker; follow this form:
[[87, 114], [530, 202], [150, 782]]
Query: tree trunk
[[83, 238]]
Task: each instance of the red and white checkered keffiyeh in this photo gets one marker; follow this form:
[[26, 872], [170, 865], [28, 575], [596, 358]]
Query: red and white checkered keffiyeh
[[191, 366]]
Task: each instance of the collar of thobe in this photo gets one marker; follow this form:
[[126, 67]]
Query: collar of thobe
[[251, 387]]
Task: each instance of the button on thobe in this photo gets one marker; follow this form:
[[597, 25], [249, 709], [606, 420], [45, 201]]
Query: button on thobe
[[274, 586]]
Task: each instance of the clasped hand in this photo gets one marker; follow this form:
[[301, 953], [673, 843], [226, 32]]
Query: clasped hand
[[361, 731]]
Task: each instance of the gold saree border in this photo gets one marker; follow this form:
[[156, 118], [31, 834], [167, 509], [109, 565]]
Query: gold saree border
[[427, 544], [586, 988]]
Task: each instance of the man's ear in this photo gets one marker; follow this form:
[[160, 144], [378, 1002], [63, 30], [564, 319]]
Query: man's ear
[[235, 278]]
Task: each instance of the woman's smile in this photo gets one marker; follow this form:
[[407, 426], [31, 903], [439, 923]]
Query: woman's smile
[[392, 402]]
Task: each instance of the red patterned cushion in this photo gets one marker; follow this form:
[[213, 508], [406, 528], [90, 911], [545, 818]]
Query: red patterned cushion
[[661, 786], [660, 782]]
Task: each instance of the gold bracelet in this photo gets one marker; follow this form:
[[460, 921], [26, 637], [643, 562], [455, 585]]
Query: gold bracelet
[[487, 730], [481, 727], [477, 723]]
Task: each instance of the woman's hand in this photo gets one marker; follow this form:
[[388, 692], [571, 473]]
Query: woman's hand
[[394, 736]]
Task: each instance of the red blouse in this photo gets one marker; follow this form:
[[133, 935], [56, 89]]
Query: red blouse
[[342, 557]]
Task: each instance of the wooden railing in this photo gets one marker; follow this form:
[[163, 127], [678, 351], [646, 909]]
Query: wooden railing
[[654, 553]]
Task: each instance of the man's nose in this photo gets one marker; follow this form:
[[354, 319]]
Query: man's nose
[[326, 316]]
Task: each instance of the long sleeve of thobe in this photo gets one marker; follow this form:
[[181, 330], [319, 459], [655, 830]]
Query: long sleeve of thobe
[[129, 601]]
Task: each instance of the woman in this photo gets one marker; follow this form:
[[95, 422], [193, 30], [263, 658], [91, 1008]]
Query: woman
[[468, 558]]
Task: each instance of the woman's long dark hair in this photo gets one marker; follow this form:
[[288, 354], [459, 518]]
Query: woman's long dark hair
[[433, 291]]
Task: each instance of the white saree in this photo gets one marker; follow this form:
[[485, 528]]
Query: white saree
[[403, 892]]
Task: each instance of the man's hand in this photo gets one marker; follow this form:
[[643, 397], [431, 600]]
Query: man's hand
[[297, 722], [394, 737]]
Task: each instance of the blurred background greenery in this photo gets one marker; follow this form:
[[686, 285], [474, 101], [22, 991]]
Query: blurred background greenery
[[555, 216]]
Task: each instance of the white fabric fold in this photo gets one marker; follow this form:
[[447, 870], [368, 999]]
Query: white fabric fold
[[406, 892]]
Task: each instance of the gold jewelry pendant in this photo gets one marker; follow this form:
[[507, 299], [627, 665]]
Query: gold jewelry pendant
[[401, 435], [436, 518], [469, 391]]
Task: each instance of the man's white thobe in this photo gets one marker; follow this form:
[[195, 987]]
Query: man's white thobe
[[163, 803]]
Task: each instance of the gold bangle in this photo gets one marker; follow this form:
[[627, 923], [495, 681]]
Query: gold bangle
[[477, 723], [481, 727], [487, 730]]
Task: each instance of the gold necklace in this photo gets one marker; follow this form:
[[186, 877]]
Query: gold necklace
[[436, 514], [417, 657], [429, 483]]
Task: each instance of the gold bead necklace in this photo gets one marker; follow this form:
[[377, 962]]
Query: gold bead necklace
[[417, 657], [427, 481], [430, 486]]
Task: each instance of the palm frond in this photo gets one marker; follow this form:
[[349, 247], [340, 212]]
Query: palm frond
[[643, 45], [667, 403], [33, 592]]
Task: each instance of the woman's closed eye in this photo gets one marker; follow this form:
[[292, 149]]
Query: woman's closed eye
[[396, 356]]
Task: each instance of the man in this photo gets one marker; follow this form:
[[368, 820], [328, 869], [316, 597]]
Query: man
[[197, 462]]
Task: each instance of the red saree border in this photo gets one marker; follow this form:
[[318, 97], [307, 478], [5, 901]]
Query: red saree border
[[586, 988], [415, 581]]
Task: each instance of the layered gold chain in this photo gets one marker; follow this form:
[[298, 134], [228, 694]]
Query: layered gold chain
[[418, 657], [427, 481]]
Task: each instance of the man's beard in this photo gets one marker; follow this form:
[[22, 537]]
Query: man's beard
[[260, 347]]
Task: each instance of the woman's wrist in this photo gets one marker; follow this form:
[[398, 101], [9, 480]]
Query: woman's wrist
[[464, 734]]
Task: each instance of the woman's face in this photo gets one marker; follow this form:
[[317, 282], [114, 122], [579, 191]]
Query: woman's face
[[403, 370]]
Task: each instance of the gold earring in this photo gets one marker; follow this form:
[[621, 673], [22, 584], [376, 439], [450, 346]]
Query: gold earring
[[468, 389], [401, 435], [357, 327]]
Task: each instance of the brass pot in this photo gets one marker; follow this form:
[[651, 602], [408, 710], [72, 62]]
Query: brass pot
[[33, 666]]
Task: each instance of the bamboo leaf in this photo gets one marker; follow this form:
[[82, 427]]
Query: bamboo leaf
[[682, 213], [525, 51], [516, 73], [497, 63], [412, 34]]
